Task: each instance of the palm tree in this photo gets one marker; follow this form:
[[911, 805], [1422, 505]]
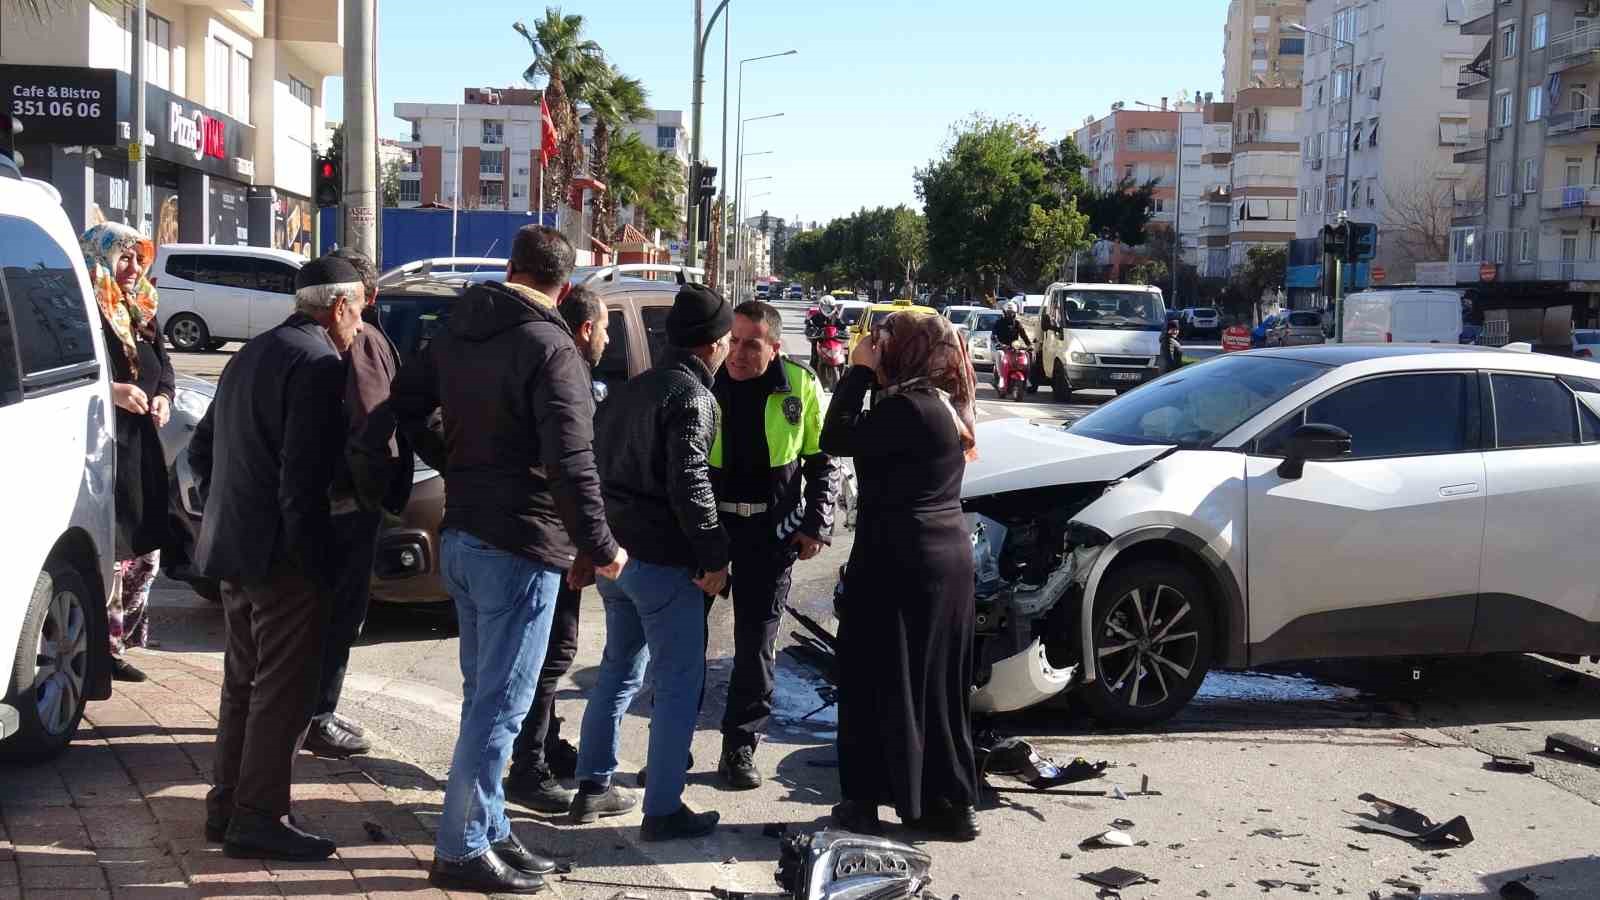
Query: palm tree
[[567, 62], [616, 100], [648, 180]]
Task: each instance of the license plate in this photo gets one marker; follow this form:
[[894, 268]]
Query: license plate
[[1124, 376]]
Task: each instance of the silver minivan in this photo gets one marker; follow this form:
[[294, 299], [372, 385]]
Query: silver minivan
[[58, 480], [212, 294]]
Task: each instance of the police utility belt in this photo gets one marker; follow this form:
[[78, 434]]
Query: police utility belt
[[743, 510]]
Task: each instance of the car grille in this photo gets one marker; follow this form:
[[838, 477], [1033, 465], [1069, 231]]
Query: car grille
[[1125, 361]]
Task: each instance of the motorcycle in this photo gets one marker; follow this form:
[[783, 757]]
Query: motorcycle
[[1011, 372], [827, 353]]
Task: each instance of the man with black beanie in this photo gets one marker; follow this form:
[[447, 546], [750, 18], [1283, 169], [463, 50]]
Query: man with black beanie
[[653, 439]]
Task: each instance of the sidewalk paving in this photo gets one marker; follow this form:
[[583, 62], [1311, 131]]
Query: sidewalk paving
[[122, 812]]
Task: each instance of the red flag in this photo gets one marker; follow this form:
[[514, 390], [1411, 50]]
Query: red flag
[[548, 139]]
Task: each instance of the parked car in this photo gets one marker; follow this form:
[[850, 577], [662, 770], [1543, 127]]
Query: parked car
[[1099, 336], [59, 470], [1245, 511], [1403, 316], [1258, 334], [980, 338], [212, 294], [1200, 321], [877, 311], [958, 315], [795, 293], [1585, 342], [1296, 328]]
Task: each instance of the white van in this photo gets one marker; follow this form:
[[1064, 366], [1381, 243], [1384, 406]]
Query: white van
[[212, 294], [57, 472], [1403, 316], [1099, 336]]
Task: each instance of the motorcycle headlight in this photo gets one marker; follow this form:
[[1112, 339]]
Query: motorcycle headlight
[[191, 403], [1082, 359]]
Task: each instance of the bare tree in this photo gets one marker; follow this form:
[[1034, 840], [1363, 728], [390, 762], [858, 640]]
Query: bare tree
[[1418, 210]]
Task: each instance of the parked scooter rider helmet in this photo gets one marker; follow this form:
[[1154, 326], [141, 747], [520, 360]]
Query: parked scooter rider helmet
[[830, 306]]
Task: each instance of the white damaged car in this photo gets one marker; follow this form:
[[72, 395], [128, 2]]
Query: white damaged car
[[1314, 502]]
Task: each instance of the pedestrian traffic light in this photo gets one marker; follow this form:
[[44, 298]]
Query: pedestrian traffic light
[[329, 186], [1334, 240], [1361, 241], [705, 182]]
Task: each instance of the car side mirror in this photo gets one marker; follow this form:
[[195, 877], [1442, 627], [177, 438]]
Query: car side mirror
[[600, 391], [1313, 443]]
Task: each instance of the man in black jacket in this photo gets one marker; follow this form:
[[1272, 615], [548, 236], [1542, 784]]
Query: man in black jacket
[[264, 457], [522, 506], [654, 436]]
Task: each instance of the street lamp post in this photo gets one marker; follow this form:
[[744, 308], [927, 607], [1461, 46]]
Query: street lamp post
[[738, 200], [1344, 212], [701, 38], [739, 114], [739, 188], [742, 246]]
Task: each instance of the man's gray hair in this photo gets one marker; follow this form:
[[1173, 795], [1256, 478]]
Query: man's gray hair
[[319, 298]]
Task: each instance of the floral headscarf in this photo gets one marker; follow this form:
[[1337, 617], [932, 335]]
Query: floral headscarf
[[126, 314], [925, 353]]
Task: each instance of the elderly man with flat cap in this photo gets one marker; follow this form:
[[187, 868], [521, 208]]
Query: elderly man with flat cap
[[265, 456], [653, 441]]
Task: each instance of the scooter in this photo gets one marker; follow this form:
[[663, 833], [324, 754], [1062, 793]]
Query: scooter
[[827, 353], [1011, 372]]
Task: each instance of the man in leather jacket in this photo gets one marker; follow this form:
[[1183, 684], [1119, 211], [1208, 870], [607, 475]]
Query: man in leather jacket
[[653, 439]]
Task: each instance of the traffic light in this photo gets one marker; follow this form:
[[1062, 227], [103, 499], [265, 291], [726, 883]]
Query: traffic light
[[704, 178], [1334, 240], [329, 187], [1361, 241]]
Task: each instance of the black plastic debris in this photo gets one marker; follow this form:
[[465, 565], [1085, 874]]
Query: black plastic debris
[[1406, 823], [1016, 757], [1273, 884], [1115, 878], [1303, 862], [1576, 747], [1277, 834], [1518, 890], [375, 831], [1359, 847], [1517, 764], [1123, 824], [1404, 884]]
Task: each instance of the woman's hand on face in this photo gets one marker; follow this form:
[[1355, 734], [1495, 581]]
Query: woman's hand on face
[[867, 352], [130, 397], [161, 410]]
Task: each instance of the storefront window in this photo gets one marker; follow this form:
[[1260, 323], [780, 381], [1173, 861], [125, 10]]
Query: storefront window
[[229, 217]]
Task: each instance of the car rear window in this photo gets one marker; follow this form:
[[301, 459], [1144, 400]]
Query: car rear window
[[1533, 412], [1305, 320], [50, 317], [1587, 337]]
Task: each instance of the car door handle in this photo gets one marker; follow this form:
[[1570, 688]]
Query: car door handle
[[1459, 490]]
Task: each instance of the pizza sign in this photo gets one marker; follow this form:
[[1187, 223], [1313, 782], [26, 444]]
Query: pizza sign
[[197, 132]]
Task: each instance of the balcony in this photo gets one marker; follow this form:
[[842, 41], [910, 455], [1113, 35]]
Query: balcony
[[1473, 82], [1575, 49], [1576, 201], [1476, 16], [1476, 145], [314, 29], [1245, 138], [1565, 128], [1467, 212], [1569, 270]]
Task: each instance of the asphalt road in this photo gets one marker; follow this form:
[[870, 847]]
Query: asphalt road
[[1289, 750]]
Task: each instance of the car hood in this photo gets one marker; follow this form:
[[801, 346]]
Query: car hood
[[1016, 455], [1118, 341]]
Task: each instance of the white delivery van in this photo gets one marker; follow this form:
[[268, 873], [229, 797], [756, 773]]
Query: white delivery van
[[1403, 316], [1099, 336]]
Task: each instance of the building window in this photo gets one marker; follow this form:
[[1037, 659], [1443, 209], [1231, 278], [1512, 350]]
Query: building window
[[491, 193], [410, 191], [1541, 31], [1530, 176], [1464, 244], [219, 70], [1530, 246], [492, 164], [240, 106], [494, 131], [1579, 97], [666, 137], [1372, 134], [1319, 94], [158, 51], [1502, 179], [518, 191], [1535, 103], [300, 123], [1372, 194], [1505, 107], [1508, 41]]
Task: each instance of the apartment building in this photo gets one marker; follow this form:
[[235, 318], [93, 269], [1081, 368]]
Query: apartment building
[[1144, 145], [1265, 172], [234, 100], [1528, 242], [1216, 187], [499, 145], [1380, 112], [1259, 46]]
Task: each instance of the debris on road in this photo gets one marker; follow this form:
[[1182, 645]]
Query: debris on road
[[1571, 745], [1123, 824], [1016, 757], [375, 831], [1406, 823], [1516, 764], [1359, 847], [1116, 878], [1275, 833], [1303, 887], [1107, 839], [1404, 884]]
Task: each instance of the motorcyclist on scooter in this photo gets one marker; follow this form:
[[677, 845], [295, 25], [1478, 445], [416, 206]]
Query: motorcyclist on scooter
[[1009, 329], [818, 323]]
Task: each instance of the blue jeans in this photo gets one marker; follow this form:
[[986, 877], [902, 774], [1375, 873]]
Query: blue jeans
[[651, 611], [504, 604]]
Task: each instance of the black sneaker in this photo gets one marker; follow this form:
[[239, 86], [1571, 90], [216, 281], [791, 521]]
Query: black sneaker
[[680, 825], [329, 738], [122, 670], [540, 792], [738, 769], [614, 801], [486, 873]]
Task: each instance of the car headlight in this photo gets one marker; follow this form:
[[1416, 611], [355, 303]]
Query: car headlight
[[1082, 359], [191, 403]]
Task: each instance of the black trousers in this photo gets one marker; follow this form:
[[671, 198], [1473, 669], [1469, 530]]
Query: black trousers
[[356, 537], [528, 754], [761, 576], [273, 626]]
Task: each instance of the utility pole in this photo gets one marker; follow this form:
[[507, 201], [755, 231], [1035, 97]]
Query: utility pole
[[718, 234], [136, 148], [359, 209], [692, 253]]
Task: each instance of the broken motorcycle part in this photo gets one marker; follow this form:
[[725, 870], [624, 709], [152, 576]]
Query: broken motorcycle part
[[1014, 756], [1517, 764], [836, 865], [1571, 745], [714, 892], [1404, 822], [1115, 878], [1107, 839]]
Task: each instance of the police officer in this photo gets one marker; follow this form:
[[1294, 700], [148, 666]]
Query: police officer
[[766, 445]]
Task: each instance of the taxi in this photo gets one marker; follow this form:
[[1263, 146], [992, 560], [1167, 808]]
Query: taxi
[[877, 312]]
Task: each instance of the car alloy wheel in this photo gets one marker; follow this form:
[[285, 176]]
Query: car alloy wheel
[[188, 333], [62, 663], [1153, 636], [60, 635]]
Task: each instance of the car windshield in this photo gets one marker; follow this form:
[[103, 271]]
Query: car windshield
[[1305, 320], [1587, 337], [1197, 405], [959, 316], [983, 322], [1135, 310], [850, 315]]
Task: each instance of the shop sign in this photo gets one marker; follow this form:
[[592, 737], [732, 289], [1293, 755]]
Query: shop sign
[[197, 132], [61, 104]]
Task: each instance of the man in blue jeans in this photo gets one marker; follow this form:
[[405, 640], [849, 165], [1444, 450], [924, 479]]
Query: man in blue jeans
[[522, 505], [654, 438]]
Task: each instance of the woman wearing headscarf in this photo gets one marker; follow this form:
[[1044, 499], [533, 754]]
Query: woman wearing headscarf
[[142, 386], [906, 615]]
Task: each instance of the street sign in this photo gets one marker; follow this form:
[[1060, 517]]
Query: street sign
[[1379, 273], [1235, 337], [135, 152], [1488, 271]]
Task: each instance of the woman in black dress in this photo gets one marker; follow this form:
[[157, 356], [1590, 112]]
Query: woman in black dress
[[142, 387], [906, 617]]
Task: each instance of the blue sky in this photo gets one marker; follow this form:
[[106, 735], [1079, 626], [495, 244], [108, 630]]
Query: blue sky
[[870, 96]]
